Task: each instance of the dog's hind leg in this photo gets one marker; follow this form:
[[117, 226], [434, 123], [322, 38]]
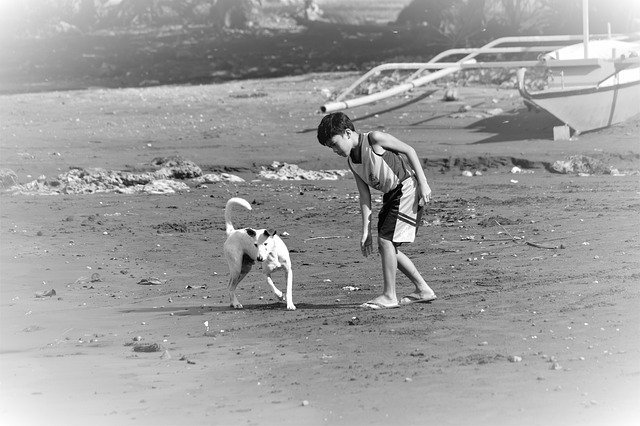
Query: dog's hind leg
[[238, 272], [233, 283]]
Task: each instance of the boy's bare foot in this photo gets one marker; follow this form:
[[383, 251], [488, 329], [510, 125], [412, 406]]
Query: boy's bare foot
[[380, 302], [418, 298]]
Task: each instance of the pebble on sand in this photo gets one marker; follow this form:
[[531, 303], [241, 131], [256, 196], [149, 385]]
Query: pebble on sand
[[146, 347], [45, 293], [150, 281]]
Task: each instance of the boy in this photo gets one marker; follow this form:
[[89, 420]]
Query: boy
[[378, 160]]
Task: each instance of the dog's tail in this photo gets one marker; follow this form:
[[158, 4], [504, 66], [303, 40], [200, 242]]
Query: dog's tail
[[236, 201]]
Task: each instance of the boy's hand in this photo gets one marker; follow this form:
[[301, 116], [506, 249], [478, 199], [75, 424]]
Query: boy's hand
[[366, 245], [425, 195]]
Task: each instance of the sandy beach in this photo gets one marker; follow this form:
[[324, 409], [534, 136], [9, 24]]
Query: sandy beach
[[536, 272]]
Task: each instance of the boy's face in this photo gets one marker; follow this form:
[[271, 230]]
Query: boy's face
[[341, 144]]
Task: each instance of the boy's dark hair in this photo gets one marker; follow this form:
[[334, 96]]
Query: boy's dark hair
[[333, 124]]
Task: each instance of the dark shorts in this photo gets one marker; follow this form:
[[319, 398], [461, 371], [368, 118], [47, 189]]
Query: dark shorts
[[400, 215]]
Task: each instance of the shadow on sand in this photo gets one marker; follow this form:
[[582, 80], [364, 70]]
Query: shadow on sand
[[515, 125], [201, 310]]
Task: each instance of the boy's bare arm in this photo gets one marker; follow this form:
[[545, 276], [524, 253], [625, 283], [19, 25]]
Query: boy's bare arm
[[391, 143], [366, 243]]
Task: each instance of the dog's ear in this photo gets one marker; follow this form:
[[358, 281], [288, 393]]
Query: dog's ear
[[270, 232]]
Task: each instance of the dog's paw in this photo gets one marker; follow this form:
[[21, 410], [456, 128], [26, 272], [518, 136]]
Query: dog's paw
[[236, 306], [291, 307]]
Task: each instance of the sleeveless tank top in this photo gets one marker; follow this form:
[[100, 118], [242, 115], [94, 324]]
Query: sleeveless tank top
[[382, 172]]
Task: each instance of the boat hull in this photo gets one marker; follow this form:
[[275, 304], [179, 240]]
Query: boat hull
[[590, 108]]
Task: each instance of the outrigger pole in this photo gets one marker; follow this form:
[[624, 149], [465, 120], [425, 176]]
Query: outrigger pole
[[442, 69]]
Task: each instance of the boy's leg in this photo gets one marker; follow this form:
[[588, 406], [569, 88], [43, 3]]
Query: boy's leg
[[389, 268], [406, 266]]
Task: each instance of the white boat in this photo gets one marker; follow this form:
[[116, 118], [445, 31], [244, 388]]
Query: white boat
[[594, 84], [588, 94]]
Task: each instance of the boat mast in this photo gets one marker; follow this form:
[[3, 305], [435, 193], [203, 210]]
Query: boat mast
[[585, 27]]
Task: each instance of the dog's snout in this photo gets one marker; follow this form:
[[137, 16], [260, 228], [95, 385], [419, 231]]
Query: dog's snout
[[259, 258]]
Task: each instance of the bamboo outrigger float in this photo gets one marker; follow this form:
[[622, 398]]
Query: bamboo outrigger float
[[590, 88]]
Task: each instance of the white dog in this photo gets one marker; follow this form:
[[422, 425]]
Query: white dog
[[244, 246]]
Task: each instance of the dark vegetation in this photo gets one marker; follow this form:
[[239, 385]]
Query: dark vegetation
[[62, 44]]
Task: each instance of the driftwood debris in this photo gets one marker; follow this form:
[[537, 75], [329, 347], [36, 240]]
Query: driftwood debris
[[324, 238], [543, 246]]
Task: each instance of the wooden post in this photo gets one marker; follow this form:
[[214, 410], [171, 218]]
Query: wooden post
[[585, 27]]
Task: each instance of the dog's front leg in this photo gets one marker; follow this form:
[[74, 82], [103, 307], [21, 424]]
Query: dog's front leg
[[289, 298], [275, 289]]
